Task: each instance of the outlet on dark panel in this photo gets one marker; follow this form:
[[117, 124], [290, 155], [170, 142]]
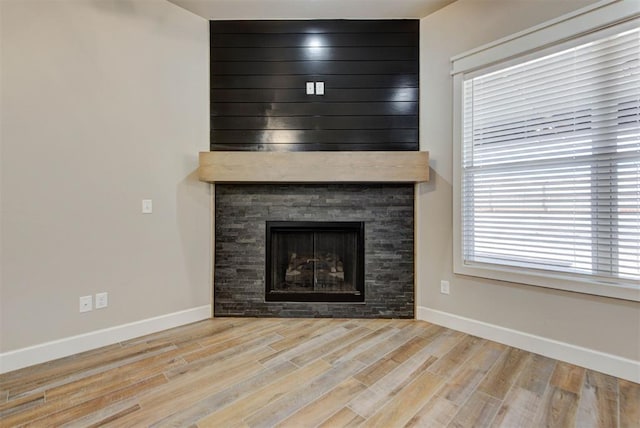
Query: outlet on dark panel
[[364, 75]]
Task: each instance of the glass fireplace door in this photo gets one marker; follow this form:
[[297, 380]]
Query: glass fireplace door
[[312, 261]]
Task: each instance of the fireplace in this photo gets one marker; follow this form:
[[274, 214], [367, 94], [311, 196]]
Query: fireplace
[[314, 261]]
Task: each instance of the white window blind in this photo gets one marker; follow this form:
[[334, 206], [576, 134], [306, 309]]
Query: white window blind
[[551, 162]]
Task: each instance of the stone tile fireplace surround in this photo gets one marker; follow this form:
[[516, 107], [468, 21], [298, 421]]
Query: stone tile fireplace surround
[[251, 189], [241, 213]]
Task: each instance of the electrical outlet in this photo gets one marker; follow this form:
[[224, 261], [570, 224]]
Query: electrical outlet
[[86, 303], [444, 287], [102, 300]]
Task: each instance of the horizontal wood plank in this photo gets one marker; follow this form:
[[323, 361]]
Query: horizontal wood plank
[[219, 123], [250, 68], [377, 136], [286, 40], [337, 81], [309, 147], [296, 95], [317, 26], [315, 53], [274, 109], [304, 167]]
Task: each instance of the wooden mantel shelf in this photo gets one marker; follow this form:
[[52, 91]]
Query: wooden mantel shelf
[[309, 167]]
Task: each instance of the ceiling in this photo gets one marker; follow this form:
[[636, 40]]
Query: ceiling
[[311, 9]]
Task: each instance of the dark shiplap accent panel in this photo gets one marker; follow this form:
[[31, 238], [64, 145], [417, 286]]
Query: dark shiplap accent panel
[[258, 75]]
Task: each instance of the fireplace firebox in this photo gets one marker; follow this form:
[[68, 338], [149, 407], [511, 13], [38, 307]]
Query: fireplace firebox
[[314, 261]]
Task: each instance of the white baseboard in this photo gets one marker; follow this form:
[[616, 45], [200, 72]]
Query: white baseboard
[[600, 361], [20, 358]]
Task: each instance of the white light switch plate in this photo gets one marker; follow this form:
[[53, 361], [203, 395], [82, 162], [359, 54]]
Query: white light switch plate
[[147, 206], [310, 88], [102, 300], [319, 88]]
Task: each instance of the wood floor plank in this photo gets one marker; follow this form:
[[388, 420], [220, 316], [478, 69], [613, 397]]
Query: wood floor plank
[[58, 413], [457, 356], [479, 411], [319, 410], [105, 415], [252, 329], [448, 364], [420, 328], [463, 383], [376, 371], [389, 362], [337, 343], [354, 348], [499, 380], [518, 409], [149, 414], [287, 343], [219, 355], [74, 413], [331, 373], [191, 388], [437, 413], [97, 390], [369, 401], [292, 337], [81, 368], [233, 339], [598, 405], [536, 374], [522, 403], [444, 342], [558, 408], [401, 408], [629, 404], [45, 372], [305, 346], [409, 349], [94, 385], [345, 418], [373, 354], [189, 333], [302, 395], [568, 377], [301, 328], [190, 415], [21, 404], [234, 413]]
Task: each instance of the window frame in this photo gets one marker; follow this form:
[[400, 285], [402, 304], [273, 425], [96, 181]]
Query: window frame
[[555, 35]]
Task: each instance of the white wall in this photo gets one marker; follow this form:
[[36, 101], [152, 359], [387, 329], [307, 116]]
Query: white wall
[[103, 103], [601, 324]]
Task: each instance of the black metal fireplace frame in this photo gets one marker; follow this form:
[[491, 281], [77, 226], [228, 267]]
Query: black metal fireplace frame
[[315, 226]]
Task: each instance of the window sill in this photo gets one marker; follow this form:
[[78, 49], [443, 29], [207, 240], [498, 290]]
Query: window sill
[[576, 284]]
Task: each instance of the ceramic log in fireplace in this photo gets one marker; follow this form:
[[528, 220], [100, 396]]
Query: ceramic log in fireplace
[[314, 261]]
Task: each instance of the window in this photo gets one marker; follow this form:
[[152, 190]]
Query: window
[[549, 165]]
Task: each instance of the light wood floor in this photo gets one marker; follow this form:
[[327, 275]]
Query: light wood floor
[[322, 372]]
